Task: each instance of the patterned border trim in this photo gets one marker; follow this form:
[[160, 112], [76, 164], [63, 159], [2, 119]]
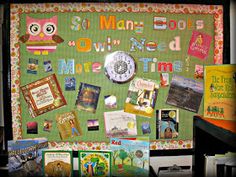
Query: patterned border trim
[[17, 9], [155, 145]]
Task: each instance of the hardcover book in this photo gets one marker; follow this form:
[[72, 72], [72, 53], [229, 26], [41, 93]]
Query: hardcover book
[[68, 125], [25, 157], [167, 123], [94, 163], [182, 91], [220, 92], [120, 123], [87, 98], [57, 163], [142, 95], [130, 156], [43, 95]]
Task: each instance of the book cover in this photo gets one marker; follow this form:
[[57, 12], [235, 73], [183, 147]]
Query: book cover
[[57, 163], [130, 156], [43, 95], [199, 45], [164, 77], [47, 66], [32, 67], [198, 73], [87, 98], [142, 95], [25, 157], [220, 92], [68, 125], [182, 91], [94, 163], [168, 121], [70, 83], [146, 129], [120, 123]]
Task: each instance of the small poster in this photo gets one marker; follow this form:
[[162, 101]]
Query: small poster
[[142, 95], [68, 125], [87, 98], [32, 67], [93, 125], [182, 91], [198, 73], [220, 92], [70, 83], [95, 163], [58, 163], [120, 123], [43, 95], [47, 66]]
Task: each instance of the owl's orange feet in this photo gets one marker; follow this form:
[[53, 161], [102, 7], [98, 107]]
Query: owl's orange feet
[[37, 52], [45, 52]]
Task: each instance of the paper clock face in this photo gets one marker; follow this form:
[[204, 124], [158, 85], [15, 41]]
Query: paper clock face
[[120, 67]]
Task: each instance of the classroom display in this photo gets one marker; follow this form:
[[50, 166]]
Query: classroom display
[[82, 73]]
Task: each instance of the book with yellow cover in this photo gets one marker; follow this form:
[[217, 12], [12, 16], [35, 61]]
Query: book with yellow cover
[[68, 125], [142, 95], [220, 91]]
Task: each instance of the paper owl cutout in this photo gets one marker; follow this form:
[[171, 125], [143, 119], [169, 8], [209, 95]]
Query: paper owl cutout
[[41, 35]]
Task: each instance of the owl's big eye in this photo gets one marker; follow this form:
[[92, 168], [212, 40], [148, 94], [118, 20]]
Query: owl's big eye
[[34, 29], [49, 28]]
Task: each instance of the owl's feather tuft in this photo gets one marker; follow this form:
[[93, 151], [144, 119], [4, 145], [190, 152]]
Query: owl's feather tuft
[[24, 38], [57, 39]]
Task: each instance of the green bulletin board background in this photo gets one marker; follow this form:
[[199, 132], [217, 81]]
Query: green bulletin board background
[[64, 51]]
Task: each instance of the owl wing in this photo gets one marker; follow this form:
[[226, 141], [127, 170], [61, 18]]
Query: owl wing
[[24, 38], [57, 39]]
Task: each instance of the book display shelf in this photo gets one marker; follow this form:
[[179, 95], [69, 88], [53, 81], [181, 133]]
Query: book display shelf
[[212, 137]]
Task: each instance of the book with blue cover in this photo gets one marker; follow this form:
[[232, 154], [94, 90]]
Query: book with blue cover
[[25, 157]]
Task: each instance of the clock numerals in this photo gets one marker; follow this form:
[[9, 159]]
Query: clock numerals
[[120, 67]]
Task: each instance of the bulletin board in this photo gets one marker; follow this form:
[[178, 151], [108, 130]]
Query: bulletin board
[[59, 51]]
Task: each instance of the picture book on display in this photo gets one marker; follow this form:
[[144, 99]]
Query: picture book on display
[[142, 95], [87, 98], [182, 91], [43, 95], [220, 92], [167, 123], [94, 163], [68, 125], [25, 157], [130, 156], [57, 163], [120, 123]]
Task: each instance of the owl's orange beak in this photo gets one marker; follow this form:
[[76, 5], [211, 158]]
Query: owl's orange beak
[[41, 35]]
